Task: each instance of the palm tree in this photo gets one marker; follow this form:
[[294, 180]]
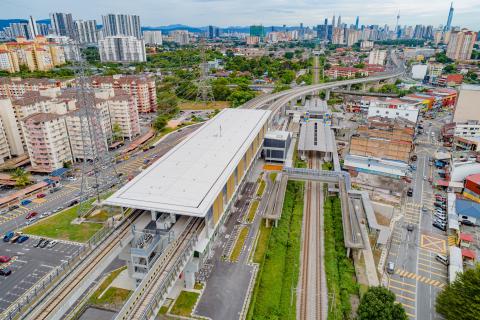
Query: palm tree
[[21, 176]]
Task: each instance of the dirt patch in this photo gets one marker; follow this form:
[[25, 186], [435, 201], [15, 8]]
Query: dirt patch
[[384, 221]]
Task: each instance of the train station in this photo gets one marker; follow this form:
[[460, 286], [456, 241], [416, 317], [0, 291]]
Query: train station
[[187, 194]]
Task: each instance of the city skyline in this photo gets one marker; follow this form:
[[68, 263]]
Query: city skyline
[[274, 12]]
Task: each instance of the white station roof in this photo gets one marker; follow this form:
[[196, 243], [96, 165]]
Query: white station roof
[[189, 177]]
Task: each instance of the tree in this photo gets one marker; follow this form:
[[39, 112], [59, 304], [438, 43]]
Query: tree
[[288, 55], [167, 103], [378, 303], [159, 123], [239, 97], [117, 132], [22, 177], [460, 299], [221, 92], [450, 68]]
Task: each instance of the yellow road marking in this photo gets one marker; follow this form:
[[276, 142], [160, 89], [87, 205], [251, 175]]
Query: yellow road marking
[[404, 283], [407, 305], [429, 266], [404, 297], [401, 289], [431, 272]]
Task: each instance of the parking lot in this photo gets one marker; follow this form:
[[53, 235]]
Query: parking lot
[[29, 265]]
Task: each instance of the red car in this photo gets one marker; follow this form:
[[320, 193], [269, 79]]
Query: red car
[[41, 195], [4, 259], [31, 215]]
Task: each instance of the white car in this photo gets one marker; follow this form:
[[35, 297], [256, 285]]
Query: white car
[[72, 179]]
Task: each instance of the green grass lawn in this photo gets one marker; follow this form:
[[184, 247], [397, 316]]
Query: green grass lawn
[[59, 226], [252, 211], [237, 249], [261, 188], [262, 243], [339, 269], [327, 166], [280, 262], [184, 304], [112, 295]]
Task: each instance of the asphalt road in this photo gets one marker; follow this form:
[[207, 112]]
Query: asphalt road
[[16, 219], [418, 277]]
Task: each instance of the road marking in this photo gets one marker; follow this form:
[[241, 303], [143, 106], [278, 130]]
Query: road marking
[[432, 272], [433, 262], [404, 283], [401, 289], [405, 297], [429, 266], [420, 278], [433, 243]]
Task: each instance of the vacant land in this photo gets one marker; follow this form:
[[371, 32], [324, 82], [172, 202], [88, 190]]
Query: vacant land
[[190, 105]]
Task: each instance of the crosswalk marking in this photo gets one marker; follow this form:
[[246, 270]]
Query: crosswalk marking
[[401, 289], [410, 275], [403, 283]]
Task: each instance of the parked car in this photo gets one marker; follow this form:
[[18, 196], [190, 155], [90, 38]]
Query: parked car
[[31, 215], [467, 222], [39, 242], [5, 272], [73, 202], [390, 267], [3, 211], [22, 239], [4, 259], [439, 226], [14, 207], [9, 235], [410, 227], [52, 244], [31, 221], [41, 195], [410, 192], [443, 259], [440, 205], [72, 179], [16, 237], [44, 243], [25, 202], [45, 214]]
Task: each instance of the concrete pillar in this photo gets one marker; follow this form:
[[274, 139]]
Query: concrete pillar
[[189, 273], [303, 100], [349, 87], [327, 95], [364, 86], [154, 215]]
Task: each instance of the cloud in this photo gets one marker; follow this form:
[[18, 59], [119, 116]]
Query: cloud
[[245, 12]]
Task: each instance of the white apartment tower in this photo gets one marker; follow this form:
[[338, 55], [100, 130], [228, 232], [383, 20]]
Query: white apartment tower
[[86, 31], [377, 57], [122, 49], [153, 37], [121, 25]]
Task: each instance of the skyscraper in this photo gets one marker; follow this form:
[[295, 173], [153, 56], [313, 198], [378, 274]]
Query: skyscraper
[[257, 31], [121, 24], [333, 22], [450, 17], [211, 32], [356, 22], [86, 30], [32, 24], [339, 21], [62, 24]]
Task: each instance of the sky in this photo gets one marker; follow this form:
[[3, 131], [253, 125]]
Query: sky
[[225, 13]]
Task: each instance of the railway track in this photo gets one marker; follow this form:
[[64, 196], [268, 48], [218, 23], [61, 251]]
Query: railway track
[[138, 309], [60, 298], [311, 295]]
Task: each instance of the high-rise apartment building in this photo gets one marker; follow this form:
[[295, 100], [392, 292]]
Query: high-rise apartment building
[[450, 17], [122, 49], [377, 57], [460, 44], [338, 36], [257, 31], [121, 25], [182, 37], [86, 30], [62, 24], [153, 37], [43, 29], [32, 25]]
